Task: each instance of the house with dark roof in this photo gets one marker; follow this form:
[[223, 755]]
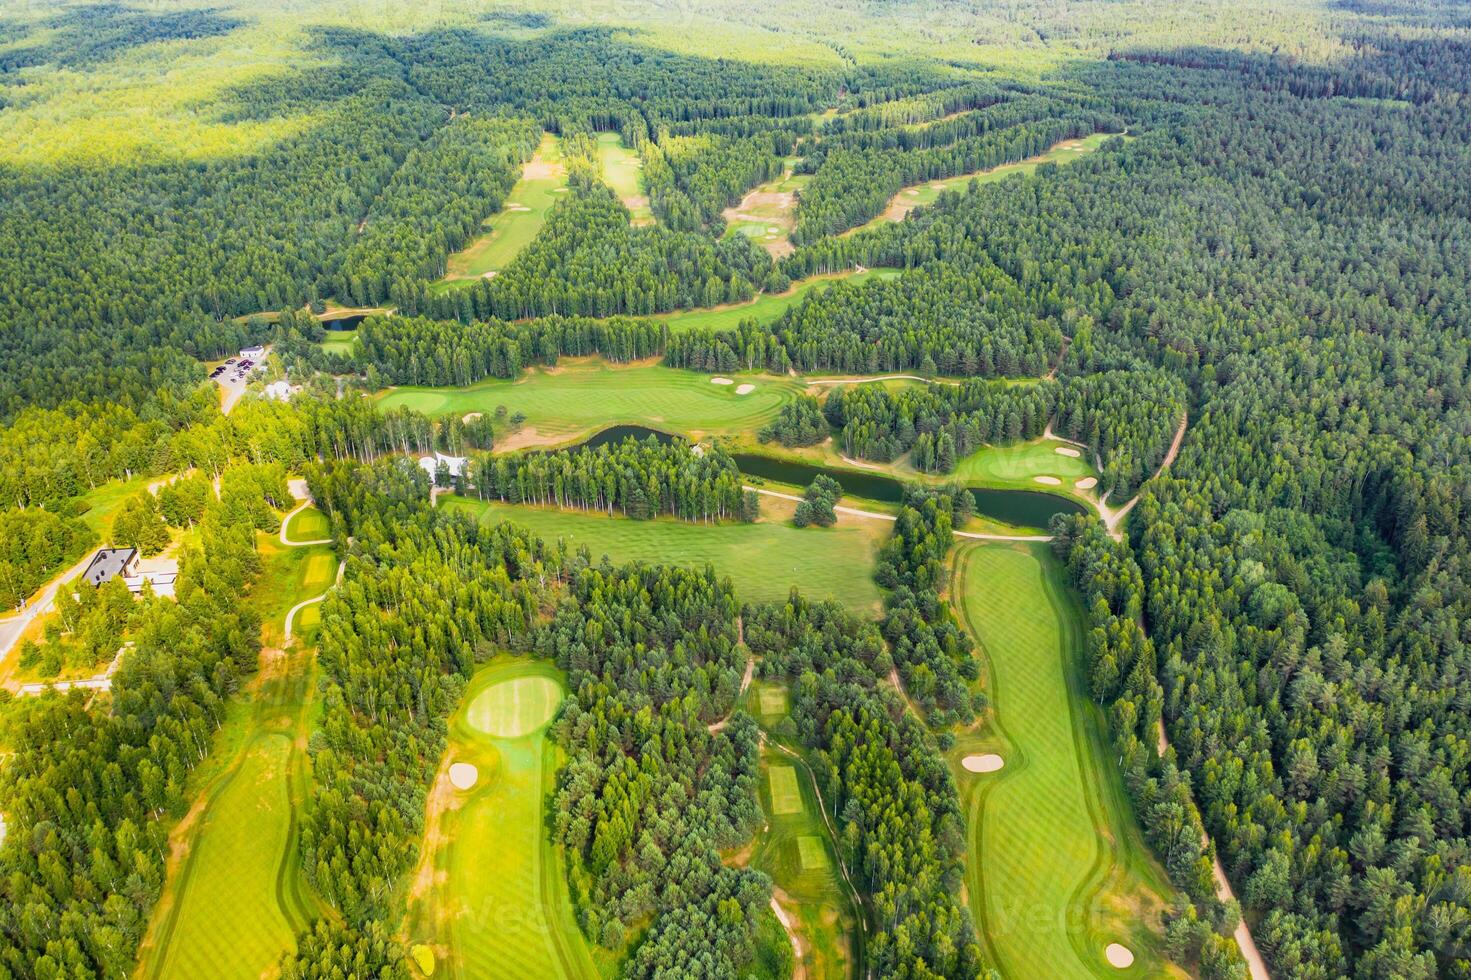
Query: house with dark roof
[[109, 563]]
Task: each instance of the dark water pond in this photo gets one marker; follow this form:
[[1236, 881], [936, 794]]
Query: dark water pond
[[617, 433], [345, 322], [1023, 508]]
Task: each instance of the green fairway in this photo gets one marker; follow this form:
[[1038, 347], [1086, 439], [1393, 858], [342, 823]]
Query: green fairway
[[521, 217], [495, 901], [583, 396], [308, 524], [339, 342], [763, 560], [764, 309], [624, 172], [919, 195], [1057, 867], [243, 838], [237, 848], [772, 701], [1019, 466], [794, 847]]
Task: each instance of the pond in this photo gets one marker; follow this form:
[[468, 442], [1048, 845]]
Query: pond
[[617, 433], [1022, 508], [345, 322]]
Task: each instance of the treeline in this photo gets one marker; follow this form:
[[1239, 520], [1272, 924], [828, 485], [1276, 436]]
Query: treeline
[[941, 423], [642, 479], [934, 656], [1126, 418], [900, 828], [649, 795], [433, 205], [88, 794], [589, 261], [692, 179], [424, 351], [1123, 677], [852, 186], [960, 319], [36, 544]]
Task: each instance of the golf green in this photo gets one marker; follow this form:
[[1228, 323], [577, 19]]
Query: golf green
[[515, 707]]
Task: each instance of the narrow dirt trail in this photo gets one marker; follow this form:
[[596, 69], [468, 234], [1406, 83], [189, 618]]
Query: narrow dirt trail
[[1112, 519], [1255, 964]]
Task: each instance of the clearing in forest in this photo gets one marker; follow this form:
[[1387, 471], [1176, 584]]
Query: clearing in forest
[[236, 849], [308, 524], [494, 895], [520, 218], [1058, 868], [585, 395], [766, 307], [624, 172], [927, 192], [763, 560], [795, 848], [1018, 466], [768, 213]]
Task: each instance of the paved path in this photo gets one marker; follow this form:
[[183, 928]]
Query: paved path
[[12, 627], [287, 520], [291, 615]]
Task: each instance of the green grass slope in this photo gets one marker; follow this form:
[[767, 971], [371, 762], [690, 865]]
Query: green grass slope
[[1057, 867], [763, 560]]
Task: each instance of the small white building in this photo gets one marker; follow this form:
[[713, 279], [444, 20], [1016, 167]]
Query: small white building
[[280, 391], [457, 465], [252, 353]]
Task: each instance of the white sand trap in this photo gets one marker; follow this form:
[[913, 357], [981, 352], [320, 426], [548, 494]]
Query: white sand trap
[[1067, 451], [462, 775], [721, 381], [1087, 483], [745, 389], [1050, 481], [471, 417], [773, 230], [1119, 957], [517, 207], [990, 762]]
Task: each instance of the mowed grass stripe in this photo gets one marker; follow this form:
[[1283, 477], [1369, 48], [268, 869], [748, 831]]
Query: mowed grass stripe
[[584, 396], [235, 870], [1038, 845], [786, 797]]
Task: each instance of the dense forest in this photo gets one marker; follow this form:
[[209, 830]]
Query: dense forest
[[1274, 257]]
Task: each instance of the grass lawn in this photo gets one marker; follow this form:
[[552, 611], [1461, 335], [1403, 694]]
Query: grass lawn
[[339, 342], [919, 195], [794, 848], [497, 901], [104, 501], [308, 524], [585, 395], [521, 217], [767, 213], [242, 840], [764, 308], [236, 850], [1058, 869], [763, 560], [1018, 466], [624, 172]]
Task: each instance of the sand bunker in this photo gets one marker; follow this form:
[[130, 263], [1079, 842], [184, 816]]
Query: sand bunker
[[462, 775], [1119, 957], [1087, 483], [745, 389], [990, 762], [1050, 481], [721, 381], [517, 207], [1067, 451], [471, 417]]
